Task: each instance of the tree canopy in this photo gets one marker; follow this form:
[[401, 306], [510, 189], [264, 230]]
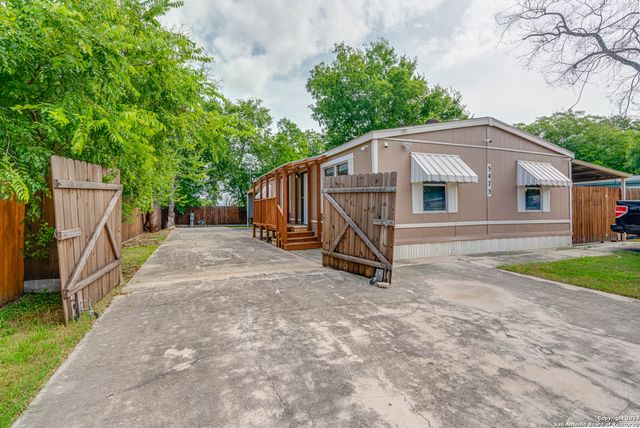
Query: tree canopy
[[375, 88], [103, 81], [256, 148], [613, 142]]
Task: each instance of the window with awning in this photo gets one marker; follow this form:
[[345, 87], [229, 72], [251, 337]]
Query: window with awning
[[534, 181], [540, 174], [429, 167], [435, 179]]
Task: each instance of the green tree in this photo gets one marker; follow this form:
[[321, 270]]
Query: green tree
[[375, 88], [250, 122], [613, 142], [254, 148], [103, 81], [288, 143]]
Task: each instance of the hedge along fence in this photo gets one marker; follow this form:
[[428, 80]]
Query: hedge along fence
[[213, 215], [11, 244]]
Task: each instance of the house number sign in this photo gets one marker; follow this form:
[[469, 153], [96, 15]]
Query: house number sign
[[489, 180]]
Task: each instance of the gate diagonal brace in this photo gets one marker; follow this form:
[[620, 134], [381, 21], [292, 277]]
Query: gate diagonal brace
[[73, 284], [357, 230]]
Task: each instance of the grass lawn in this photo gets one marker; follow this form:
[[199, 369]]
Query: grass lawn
[[618, 273], [34, 340]]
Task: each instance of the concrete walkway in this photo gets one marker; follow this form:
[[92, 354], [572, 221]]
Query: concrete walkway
[[219, 329]]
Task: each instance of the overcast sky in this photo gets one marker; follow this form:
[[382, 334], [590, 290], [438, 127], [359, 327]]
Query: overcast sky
[[266, 48]]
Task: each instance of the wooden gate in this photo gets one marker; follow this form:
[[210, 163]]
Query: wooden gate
[[88, 228], [358, 224]]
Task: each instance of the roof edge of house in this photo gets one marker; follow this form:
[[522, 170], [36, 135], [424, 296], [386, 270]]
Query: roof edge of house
[[454, 124]]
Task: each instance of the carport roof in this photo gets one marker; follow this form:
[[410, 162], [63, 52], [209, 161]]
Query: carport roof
[[582, 171]]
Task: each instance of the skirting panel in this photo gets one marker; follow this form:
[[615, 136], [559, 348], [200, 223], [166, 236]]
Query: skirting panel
[[478, 246]]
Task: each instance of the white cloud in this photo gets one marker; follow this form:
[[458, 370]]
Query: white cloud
[[475, 35], [256, 41], [265, 49]]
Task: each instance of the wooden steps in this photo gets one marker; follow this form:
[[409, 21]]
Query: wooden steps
[[303, 245], [305, 234], [300, 238]]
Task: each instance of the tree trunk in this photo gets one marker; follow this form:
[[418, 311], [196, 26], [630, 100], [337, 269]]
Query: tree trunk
[[171, 215], [154, 219]]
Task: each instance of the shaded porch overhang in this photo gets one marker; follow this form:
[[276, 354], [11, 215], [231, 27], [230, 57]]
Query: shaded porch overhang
[[292, 166]]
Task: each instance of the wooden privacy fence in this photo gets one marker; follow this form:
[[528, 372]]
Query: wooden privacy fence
[[213, 215], [594, 212], [633, 194], [88, 232], [42, 268], [134, 226], [359, 224], [11, 242]]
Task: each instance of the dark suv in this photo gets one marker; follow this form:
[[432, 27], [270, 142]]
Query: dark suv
[[627, 217]]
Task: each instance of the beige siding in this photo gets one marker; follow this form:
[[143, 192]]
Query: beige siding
[[473, 203], [361, 158]]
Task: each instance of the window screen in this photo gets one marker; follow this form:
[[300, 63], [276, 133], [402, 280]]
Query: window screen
[[343, 168], [532, 199], [329, 172], [434, 197]]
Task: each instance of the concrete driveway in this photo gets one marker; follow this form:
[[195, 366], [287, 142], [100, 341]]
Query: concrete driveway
[[219, 329]]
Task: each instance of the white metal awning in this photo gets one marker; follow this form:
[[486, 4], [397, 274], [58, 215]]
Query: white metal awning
[[438, 167], [540, 174]]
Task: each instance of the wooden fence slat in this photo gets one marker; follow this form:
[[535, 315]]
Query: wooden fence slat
[[6, 287], [11, 243]]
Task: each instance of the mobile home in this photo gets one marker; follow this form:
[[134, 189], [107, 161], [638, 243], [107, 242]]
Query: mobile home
[[465, 186]]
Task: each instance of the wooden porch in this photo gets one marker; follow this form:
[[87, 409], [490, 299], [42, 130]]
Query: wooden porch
[[283, 205]]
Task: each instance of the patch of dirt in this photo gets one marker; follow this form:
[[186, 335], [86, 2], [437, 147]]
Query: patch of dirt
[[147, 238]]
